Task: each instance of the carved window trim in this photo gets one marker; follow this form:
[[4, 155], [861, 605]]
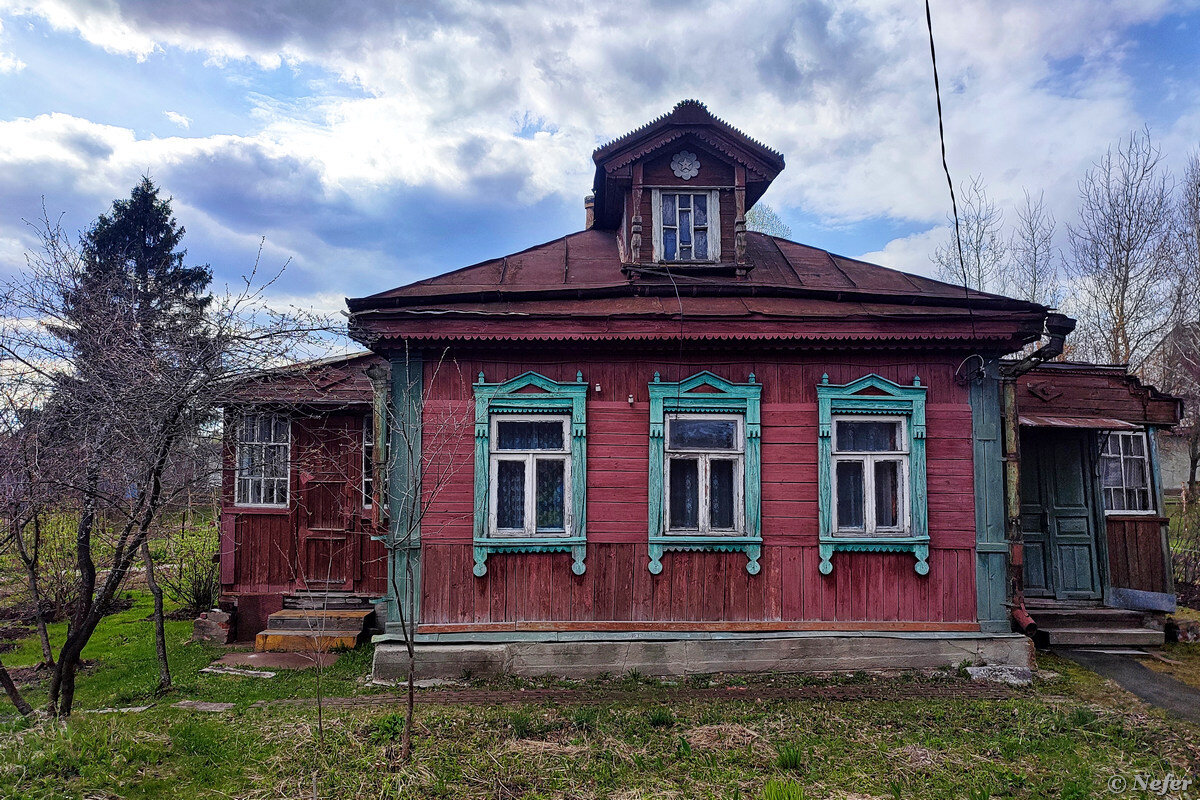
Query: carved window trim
[[885, 400], [567, 400]]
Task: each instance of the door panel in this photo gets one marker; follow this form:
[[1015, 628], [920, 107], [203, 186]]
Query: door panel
[[1034, 522], [325, 460], [1072, 531], [1056, 515]]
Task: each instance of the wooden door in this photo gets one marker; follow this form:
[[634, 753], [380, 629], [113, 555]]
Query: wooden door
[[326, 503], [1057, 515]]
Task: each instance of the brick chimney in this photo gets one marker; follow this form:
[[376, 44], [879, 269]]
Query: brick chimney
[[589, 210]]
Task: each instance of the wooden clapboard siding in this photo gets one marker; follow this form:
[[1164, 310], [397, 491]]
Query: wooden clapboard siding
[[694, 586], [700, 587], [1135, 554]]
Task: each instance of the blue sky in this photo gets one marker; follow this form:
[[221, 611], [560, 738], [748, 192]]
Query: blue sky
[[376, 143]]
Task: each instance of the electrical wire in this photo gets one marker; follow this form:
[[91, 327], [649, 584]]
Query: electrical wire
[[937, 91]]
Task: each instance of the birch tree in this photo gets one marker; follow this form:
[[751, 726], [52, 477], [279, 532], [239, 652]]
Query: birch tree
[[1121, 253], [981, 262], [1032, 271]]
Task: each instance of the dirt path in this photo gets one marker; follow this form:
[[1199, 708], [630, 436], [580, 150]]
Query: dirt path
[[957, 691]]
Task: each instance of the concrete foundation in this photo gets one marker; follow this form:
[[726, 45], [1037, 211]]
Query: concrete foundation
[[575, 656]]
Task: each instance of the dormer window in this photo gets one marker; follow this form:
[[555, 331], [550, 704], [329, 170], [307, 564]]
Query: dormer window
[[687, 225]]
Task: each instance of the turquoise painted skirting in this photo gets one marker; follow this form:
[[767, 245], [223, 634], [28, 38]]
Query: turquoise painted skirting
[[729, 398], [872, 394], [553, 398]]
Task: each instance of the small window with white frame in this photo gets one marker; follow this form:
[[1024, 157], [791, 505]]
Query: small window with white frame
[[1125, 473], [262, 459], [530, 475], [870, 476], [705, 461], [687, 225]]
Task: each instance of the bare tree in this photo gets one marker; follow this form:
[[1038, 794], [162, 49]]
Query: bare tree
[[763, 219], [413, 464], [980, 264], [1032, 271], [1121, 253], [112, 411]]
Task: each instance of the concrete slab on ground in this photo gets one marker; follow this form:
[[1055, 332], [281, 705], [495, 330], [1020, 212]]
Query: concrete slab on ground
[[198, 705], [1157, 689], [276, 660], [748, 654]]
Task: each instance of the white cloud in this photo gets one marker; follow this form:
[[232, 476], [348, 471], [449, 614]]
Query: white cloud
[[911, 253], [176, 118], [444, 89]]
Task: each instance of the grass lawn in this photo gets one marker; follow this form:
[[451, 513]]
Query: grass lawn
[[1064, 738]]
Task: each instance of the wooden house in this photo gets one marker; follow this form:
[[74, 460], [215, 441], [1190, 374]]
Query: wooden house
[[662, 443]]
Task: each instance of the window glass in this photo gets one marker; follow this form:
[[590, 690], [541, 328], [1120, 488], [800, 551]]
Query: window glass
[[887, 494], [550, 494], [861, 436], [262, 459], [721, 493], [510, 495], [1125, 472], [685, 493], [529, 435], [850, 494], [684, 227], [694, 433]]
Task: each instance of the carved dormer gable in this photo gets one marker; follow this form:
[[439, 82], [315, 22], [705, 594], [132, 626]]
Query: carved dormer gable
[[676, 192]]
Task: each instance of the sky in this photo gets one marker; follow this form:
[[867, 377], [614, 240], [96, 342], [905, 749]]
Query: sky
[[370, 144]]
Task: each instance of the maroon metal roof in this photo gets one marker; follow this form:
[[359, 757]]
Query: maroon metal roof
[[335, 381], [586, 266]]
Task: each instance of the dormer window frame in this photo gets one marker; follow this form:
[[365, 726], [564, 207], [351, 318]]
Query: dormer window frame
[[714, 222]]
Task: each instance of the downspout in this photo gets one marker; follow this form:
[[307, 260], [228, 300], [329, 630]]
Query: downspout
[[1057, 328]]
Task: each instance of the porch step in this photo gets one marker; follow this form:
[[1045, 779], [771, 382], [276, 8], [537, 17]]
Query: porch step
[[320, 600], [313, 631], [301, 620], [1105, 637], [1048, 618]]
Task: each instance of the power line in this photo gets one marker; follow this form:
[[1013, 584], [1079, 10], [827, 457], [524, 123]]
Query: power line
[[937, 91]]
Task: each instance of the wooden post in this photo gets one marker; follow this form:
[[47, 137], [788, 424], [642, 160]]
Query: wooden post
[[1012, 501]]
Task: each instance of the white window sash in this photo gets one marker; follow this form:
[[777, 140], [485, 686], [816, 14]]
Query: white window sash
[[1123, 488], [530, 459], [869, 458], [704, 478], [368, 462], [714, 222], [253, 481]]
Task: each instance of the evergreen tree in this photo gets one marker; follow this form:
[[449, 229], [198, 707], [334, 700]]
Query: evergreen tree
[[132, 268]]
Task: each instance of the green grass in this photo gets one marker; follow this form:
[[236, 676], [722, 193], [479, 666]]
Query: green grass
[[122, 667], [1063, 738]]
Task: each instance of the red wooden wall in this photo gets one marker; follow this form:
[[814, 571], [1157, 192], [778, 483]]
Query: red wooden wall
[[703, 590], [1135, 553]]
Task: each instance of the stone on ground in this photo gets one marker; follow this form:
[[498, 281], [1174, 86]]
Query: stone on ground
[[1000, 673], [243, 673]]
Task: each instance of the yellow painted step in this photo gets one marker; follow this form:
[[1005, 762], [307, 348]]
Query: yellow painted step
[[276, 641]]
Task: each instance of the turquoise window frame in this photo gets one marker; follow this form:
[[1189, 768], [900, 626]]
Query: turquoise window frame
[[728, 398], [885, 398], [510, 397]]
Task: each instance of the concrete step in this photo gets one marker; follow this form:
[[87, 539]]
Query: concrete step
[[317, 620], [1103, 637], [1087, 618], [291, 641]]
